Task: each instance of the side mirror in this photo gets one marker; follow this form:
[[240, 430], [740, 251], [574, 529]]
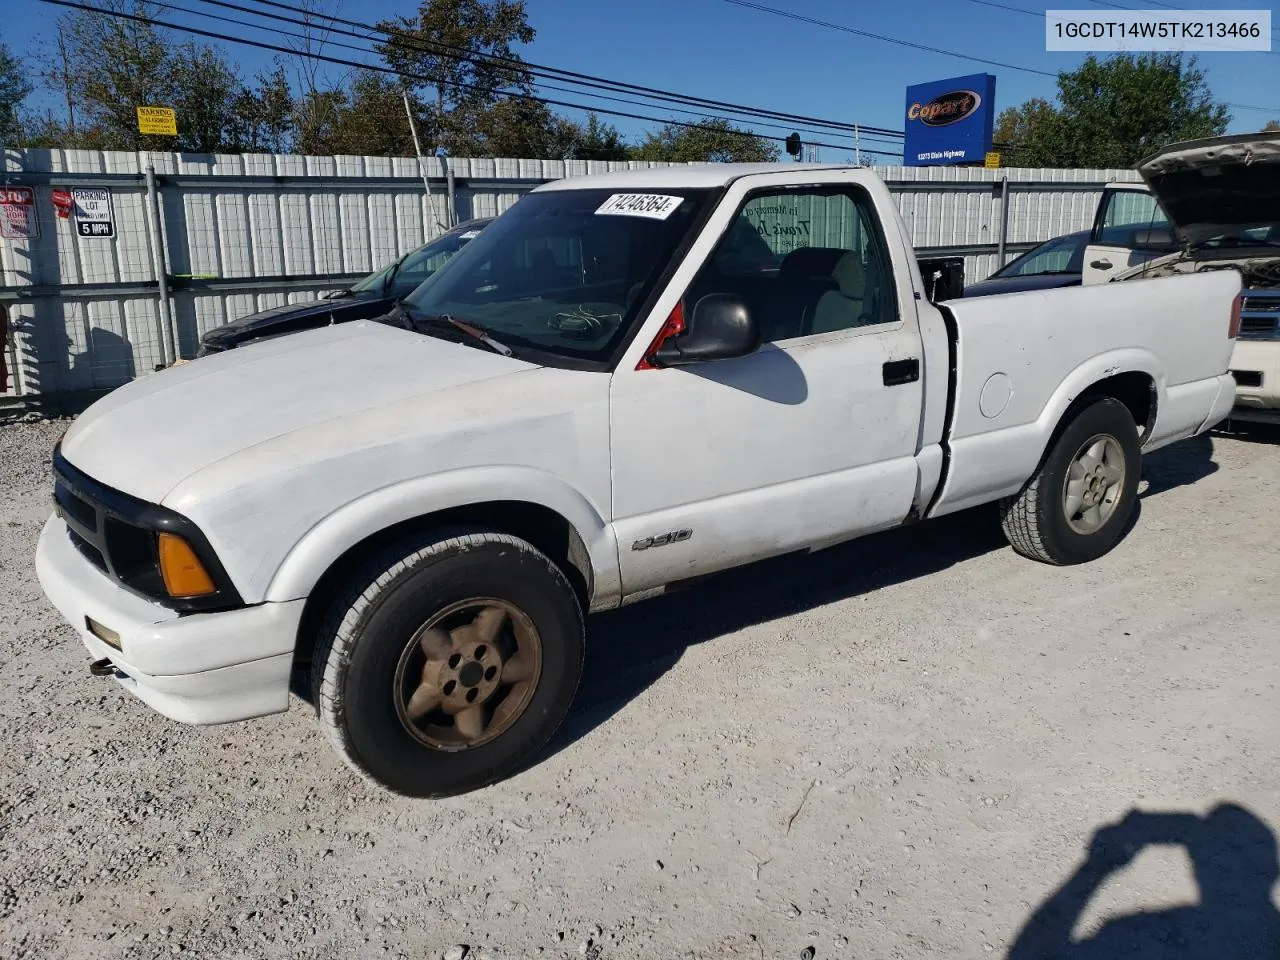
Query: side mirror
[[720, 328]]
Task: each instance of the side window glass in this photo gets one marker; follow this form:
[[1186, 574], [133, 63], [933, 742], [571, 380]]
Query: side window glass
[[1052, 260], [1129, 214], [805, 263], [415, 271]]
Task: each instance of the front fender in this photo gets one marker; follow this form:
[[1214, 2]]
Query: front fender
[[341, 530]]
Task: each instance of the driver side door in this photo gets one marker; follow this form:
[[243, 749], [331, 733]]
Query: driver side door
[[810, 439]]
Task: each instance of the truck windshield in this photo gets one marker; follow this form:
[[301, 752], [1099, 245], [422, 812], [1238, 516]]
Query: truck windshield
[[563, 271]]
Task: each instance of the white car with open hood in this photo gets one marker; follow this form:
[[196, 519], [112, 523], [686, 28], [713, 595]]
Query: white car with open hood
[[1207, 205], [626, 382]]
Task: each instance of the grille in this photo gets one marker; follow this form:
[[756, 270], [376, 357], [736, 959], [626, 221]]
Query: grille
[[118, 534], [122, 550], [1260, 315]]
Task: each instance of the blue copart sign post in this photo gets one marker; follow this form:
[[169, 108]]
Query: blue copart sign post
[[950, 121]]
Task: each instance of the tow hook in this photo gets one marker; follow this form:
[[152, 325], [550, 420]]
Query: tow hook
[[102, 668]]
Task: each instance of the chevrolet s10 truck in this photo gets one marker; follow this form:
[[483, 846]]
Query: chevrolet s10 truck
[[624, 383]]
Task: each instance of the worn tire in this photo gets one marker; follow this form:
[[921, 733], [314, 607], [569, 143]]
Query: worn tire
[[375, 616], [1035, 521]]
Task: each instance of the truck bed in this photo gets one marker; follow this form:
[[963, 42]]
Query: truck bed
[[1022, 358]]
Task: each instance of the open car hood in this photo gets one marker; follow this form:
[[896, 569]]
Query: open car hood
[[1217, 186]]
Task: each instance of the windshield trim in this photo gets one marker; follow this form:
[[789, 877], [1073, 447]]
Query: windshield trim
[[697, 226]]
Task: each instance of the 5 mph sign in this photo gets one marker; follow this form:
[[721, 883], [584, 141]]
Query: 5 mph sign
[[93, 212]]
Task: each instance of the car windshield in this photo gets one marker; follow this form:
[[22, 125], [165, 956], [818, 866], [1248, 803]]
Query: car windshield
[[1059, 255], [1252, 236], [563, 271], [417, 265]]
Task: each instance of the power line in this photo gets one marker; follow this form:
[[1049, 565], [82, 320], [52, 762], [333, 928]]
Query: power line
[[949, 53], [879, 36], [1004, 6], [388, 70], [1154, 3], [539, 86], [453, 51]]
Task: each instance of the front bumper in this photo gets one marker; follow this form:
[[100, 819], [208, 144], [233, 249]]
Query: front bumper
[[1256, 365], [199, 668]]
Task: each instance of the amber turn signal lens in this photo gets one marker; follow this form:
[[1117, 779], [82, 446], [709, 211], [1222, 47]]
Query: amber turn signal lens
[[184, 576]]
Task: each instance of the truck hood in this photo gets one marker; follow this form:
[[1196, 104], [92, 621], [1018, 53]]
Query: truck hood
[[147, 436], [1217, 186], [235, 329]]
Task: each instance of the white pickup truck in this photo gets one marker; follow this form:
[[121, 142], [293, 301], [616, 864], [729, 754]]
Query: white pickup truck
[[626, 382]]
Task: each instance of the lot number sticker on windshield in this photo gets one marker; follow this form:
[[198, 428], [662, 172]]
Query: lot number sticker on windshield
[[655, 206]]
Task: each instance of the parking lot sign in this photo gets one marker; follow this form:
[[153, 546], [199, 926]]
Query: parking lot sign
[[93, 212]]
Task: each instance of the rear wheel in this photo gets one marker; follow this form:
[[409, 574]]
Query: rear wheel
[[1076, 507], [449, 662]]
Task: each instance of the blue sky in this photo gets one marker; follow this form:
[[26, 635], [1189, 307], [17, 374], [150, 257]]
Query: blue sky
[[718, 50]]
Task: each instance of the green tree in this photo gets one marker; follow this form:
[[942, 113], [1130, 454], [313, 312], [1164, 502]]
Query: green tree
[[318, 122], [203, 90], [447, 54], [1114, 112], [515, 127], [108, 66], [1271, 125], [263, 118], [713, 140], [1030, 135], [14, 88], [373, 122], [597, 140]]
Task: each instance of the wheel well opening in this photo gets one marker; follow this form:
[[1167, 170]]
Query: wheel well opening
[[1136, 390], [541, 526]]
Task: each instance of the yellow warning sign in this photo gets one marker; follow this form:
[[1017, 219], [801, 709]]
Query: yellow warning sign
[[992, 160], [158, 120]]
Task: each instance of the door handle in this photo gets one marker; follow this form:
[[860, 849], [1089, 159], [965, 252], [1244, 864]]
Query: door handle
[[901, 371], [1101, 264]]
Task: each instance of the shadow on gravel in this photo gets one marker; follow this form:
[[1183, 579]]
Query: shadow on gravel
[[629, 649], [1245, 430], [1234, 856], [1178, 465]]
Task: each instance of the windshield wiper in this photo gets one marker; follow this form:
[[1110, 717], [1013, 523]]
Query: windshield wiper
[[471, 330]]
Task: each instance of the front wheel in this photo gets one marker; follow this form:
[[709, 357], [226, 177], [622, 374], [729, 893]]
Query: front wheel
[[449, 662], [1076, 507]]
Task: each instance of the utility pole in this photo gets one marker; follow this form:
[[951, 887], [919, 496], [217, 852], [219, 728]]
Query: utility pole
[[422, 167], [66, 84]]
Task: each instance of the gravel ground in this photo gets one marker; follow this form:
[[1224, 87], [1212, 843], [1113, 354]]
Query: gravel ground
[[899, 747]]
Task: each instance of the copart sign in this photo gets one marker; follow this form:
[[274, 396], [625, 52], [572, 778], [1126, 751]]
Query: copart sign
[[949, 121]]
